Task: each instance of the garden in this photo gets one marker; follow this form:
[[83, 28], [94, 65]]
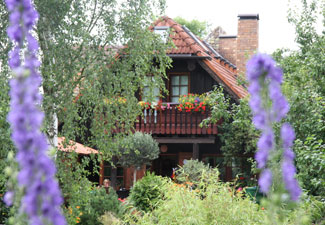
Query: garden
[[60, 75]]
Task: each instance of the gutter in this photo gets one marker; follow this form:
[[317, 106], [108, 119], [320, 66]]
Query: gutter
[[188, 56]]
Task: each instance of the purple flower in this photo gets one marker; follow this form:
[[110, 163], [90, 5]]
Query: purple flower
[[291, 184], [42, 198], [268, 106], [287, 135], [288, 168], [264, 145], [265, 181]]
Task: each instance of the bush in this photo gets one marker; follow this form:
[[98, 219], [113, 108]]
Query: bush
[[310, 162], [146, 194], [98, 204], [109, 219], [315, 209], [194, 171], [215, 203]]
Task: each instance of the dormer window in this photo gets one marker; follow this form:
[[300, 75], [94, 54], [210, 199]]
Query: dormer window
[[162, 32]]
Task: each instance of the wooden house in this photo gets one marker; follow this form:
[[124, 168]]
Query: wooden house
[[196, 68]]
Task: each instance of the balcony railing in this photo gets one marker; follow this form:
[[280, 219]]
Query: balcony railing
[[172, 121]]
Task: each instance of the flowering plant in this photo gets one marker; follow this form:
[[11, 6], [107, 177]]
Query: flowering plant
[[193, 103], [154, 105], [115, 100], [42, 197], [270, 106]]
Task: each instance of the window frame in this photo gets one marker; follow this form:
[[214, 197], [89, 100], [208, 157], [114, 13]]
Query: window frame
[[170, 75]]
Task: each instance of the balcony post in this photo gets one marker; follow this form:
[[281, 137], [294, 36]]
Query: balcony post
[[195, 151]]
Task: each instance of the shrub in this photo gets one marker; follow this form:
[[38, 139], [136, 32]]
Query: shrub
[[310, 162], [99, 203], [215, 203], [315, 209], [109, 219], [193, 171], [146, 194]]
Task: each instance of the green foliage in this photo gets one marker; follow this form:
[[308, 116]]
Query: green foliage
[[199, 28], [237, 132], [75, 187], [315, 209], [192, 171], [304, 85], [220, 205], [80, 54], [311, 165], [109, 219], [138, 149], [98, 203], [148, 192]]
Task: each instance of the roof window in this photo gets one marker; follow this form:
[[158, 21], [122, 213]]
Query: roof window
[[163, 31]]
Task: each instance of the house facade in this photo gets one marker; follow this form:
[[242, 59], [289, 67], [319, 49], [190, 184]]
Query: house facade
[[196, 68]]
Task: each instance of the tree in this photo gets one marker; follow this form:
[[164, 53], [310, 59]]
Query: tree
[[304, 84], [137, 150], [78, 40], [199, 28]]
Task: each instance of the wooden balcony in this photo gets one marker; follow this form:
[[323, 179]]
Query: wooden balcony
[[173, 121]]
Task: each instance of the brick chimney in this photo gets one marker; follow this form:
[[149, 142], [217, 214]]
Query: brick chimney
[[247, 40], [227, 47]]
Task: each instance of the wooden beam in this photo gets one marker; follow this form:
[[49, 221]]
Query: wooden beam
[[183, 140], [196, 151]]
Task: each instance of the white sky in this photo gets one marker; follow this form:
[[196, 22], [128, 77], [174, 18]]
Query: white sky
[[274, 29]]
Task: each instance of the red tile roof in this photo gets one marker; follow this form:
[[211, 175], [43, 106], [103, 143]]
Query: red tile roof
[[188, 43], [74, 146]]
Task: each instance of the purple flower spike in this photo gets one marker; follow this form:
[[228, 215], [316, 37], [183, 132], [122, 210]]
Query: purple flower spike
[[291, 184], [287, 135], [265, 77], [42, 199], [265, 181], [288, 168]]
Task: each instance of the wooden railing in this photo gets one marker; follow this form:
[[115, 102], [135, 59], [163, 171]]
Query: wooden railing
[[172, 121]]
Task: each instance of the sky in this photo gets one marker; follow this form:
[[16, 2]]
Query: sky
[[274, 29]]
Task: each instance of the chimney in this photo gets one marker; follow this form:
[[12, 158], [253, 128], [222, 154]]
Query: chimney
[[247, 40], [227, 47]]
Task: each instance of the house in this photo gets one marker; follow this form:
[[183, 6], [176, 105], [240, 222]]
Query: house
[[196, 68]]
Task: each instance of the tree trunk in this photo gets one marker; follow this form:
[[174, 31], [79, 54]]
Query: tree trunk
[[134, 175]]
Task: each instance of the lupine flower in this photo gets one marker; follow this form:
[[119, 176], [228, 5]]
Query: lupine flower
[[42, 199], [268, 106]]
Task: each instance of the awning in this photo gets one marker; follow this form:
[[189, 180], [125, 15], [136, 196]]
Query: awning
[[75, 147]]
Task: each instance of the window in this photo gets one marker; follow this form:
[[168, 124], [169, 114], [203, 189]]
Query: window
[[149, 91], [163, 32], [119, 173], [179, 85]]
